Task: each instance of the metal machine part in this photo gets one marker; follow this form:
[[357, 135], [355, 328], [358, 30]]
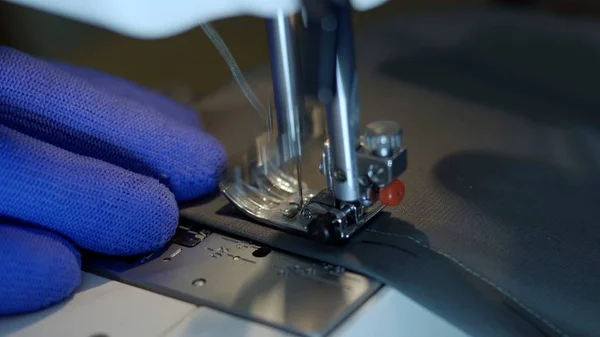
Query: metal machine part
[[383, 138], [267, 183], [343, 115], [355, 167], [290, 293], [288, 95]]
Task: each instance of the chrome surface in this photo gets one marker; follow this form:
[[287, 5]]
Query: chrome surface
[[260, 189], [381, 170], [383, 138], [266, 183], [259, 182], [285, 73], [335, 221], [344, 114], [298, 295], [326, 166]]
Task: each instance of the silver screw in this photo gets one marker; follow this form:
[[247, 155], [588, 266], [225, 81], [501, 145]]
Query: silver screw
[[383, 138], [339, 175], [199, 282], [375, 173]]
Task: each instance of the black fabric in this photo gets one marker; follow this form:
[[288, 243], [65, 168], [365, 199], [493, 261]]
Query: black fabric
[[501, 115]]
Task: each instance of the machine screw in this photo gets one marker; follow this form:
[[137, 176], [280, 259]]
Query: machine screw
[[375, 173], [383, 138], [199, 282], [307, 214], [339, 175]]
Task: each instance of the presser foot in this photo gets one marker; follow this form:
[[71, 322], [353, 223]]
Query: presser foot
[[265, 188], [263, 185], [332, 221], [321, 217]]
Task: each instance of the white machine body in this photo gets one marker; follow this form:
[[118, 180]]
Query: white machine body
[[153, 19]]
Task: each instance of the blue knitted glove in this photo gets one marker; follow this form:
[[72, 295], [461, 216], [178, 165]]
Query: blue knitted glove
[[87, 161]]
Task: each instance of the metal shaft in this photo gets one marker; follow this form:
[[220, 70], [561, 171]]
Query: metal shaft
[[288, 94], [285, 72], [343, 116]]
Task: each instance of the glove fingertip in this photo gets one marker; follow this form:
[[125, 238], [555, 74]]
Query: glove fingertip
[[201, 165], [148, 222], [37, 269]]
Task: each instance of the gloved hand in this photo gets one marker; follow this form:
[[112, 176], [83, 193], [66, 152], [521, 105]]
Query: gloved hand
[[87, 161]]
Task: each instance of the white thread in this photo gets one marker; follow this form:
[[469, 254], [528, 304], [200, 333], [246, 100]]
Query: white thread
[[235, 70]]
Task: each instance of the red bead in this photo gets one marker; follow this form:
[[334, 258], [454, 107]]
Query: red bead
[[392, 194]]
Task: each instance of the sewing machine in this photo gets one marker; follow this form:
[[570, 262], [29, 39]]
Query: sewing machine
[[250, 262], [265, 183], [360, 171]]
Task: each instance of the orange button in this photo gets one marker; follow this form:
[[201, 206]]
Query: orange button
[[392, 194]]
